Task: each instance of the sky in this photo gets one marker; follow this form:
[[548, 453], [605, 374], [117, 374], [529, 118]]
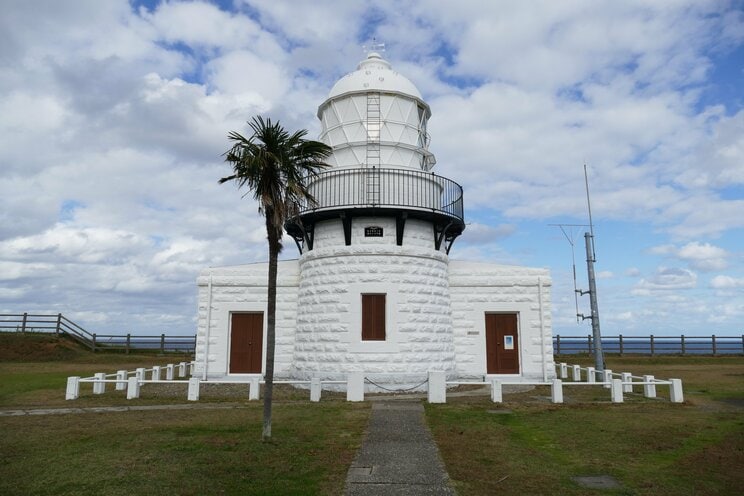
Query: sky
[[114, 116]]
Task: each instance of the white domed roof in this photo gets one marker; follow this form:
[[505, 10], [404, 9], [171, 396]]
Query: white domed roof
[[374, 73]]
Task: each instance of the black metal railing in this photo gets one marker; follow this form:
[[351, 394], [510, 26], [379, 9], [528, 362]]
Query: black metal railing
[[652, 345], [383, 187]]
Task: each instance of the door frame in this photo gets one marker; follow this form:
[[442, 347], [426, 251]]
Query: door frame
[[522, 310], [224, 314], [263, 342], [518, 347]]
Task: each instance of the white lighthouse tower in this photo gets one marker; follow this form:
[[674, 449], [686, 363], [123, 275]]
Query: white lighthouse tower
[[373, 291]]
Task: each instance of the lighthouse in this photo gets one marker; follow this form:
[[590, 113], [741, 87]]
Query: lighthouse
[[374, 291]]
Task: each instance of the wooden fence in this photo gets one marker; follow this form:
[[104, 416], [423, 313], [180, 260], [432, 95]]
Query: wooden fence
[[59, 324], [652, 345]]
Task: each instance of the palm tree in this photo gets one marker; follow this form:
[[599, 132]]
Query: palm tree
[[274, 164]]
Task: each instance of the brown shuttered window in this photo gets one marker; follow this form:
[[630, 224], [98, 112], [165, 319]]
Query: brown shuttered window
[[373, 317]]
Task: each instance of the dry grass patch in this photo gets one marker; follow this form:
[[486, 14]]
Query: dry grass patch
[[652, 447]]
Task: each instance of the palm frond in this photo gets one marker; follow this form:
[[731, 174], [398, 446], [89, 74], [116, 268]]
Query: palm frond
[[274, 165]]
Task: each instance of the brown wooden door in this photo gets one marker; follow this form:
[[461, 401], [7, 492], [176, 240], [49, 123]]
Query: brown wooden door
[[373, 317], [246, 343], [502, 344]]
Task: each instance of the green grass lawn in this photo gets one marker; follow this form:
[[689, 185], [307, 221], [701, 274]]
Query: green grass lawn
[[652, 447], [33, 366], [181, 452]]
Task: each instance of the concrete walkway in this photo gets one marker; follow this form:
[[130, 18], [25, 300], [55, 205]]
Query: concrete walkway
[[398, 455]]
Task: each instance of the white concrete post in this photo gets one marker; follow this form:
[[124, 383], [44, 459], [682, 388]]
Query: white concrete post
[[437, 387], [73, 388], [576, 373], [169, 372], [315, 389], [182, 369], [675, 391], [192, 367], [617, 390], [99, 387], [193, 394], [497, 395], [556, 391], [140, 374], [649, 390], [254, 388], [355, 386], [627, 377], [155, 373], [564, 370], [590, 375], [133, 388], [121, 376], [607, 378]]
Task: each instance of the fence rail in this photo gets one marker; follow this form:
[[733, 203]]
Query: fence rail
[[59, 324], [651, 345], [377, 186]]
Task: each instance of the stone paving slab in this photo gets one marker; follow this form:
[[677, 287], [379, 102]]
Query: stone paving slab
[[598, 482], [398, 455]]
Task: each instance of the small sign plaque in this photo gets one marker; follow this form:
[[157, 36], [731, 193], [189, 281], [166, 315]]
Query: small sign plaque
[[373, 232], [508, 342]]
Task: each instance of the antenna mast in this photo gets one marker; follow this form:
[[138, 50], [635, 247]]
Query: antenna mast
[[570, 239], [591, 257]]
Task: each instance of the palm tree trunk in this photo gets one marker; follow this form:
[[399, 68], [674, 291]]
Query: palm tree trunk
[[274, 248]]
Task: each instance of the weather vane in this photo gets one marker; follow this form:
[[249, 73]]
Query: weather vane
[[374, 46]]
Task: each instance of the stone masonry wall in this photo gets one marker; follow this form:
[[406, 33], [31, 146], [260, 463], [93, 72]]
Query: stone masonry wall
[[435, 309], [243, 288], [328, 338], [477, 288]]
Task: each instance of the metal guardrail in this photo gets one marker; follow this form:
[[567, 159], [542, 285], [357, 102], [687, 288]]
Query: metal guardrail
[[652, 345], [384, 187], [59, 324]]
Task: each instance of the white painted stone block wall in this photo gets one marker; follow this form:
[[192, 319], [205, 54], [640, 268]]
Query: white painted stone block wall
[[437, 309], [477, 288], [243, 289], [418, 323]]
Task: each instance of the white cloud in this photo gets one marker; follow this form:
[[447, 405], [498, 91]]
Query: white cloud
[[624, 316], [477, 233], [241, 71], [703, 256], [669, 278], [317, 23], [122, 112], [63, 243], [723, 156], [202, 25], [23, 111], [700, 256], [726, 282]]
